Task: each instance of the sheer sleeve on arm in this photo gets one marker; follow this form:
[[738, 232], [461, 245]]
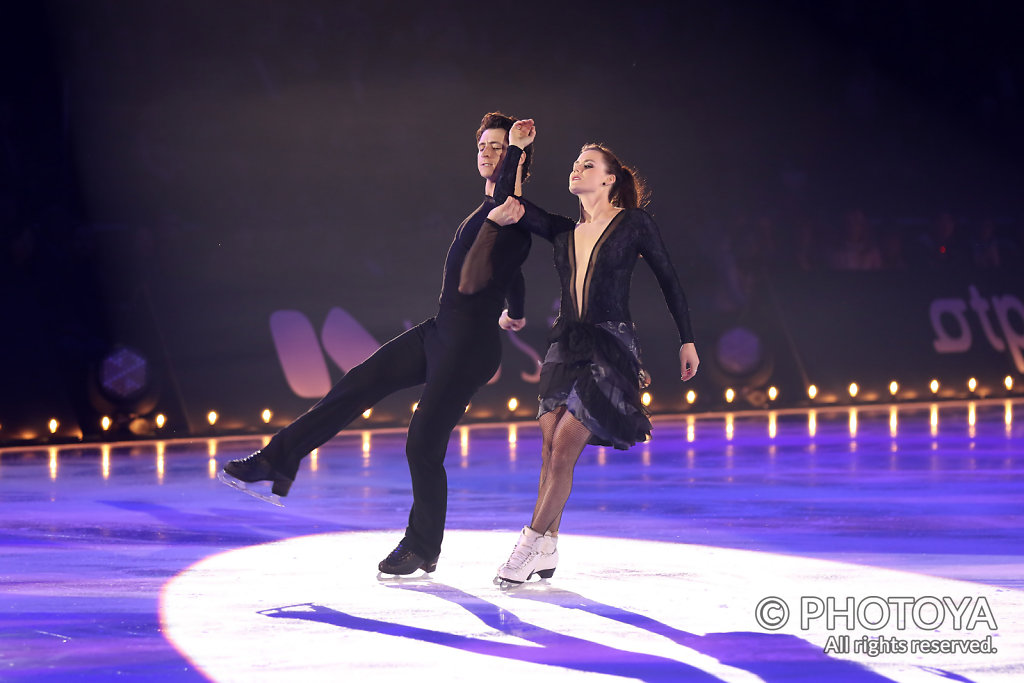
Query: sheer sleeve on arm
[[506, 184], [477, 269], [535, 220], [652, 248], [541, 223], [515, 297]]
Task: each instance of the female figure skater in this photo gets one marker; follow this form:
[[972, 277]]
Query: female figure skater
[[591, 378], [452, 354]]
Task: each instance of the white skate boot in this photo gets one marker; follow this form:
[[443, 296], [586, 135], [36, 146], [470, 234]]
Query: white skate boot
[[535, 553]]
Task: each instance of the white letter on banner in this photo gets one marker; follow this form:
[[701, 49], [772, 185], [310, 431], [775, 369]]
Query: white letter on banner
[[345, 340], [980, 306], [944, 343], [299, 352], [1014, 337]]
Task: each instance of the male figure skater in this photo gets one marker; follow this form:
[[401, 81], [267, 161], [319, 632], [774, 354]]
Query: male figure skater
[[451, 354]]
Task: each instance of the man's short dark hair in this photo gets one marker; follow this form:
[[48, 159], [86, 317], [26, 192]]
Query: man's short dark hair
[[496, 119]]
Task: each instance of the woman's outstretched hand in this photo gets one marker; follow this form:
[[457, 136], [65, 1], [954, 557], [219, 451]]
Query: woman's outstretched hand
[[507, 323], [508, 213], [688, 361], [522, 133]]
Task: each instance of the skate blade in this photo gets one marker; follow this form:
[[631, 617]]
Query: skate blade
[[240, 485], [506, 584], [418, 576]]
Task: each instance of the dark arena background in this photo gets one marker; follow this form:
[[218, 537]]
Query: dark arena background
[[211, 210]]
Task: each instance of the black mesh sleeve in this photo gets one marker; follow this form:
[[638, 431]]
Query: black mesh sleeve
[[477, 268], [652, 248], [515, 297]]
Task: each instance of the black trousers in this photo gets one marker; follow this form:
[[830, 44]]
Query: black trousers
[[452, 355]]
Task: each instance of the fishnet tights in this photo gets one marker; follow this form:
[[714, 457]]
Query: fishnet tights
[[564, 438]]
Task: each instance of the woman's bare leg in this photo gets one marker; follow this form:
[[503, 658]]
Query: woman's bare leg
[[568, 437]]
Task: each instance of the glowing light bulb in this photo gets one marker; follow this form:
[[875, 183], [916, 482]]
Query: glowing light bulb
[[266, 415], [1008, 383], [691, 396], [773, 393], [645, 398], [53, 425], [934, 386], [854, 389], [367, 413], [894, 387], [812, 391], [513, 403], [729, 395], [211, 417], [105, 423], [161, 420], [972, 384]]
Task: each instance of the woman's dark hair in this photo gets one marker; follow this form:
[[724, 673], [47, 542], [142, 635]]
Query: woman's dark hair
[[629, 190], [496, 119]]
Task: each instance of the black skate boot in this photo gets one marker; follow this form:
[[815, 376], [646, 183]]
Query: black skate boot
[[257, 467], [403, 561]]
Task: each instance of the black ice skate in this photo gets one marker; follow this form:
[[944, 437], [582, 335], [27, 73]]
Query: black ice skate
[[403, 561], [258, 467]]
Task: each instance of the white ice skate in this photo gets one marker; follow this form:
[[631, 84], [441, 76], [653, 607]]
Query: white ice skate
[[535, 553]]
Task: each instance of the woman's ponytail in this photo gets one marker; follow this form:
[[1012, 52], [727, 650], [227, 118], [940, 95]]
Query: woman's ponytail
[[628, 191]]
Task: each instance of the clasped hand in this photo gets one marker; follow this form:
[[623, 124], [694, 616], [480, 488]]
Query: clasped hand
[[508, 213], [513, 324], [522, 133]]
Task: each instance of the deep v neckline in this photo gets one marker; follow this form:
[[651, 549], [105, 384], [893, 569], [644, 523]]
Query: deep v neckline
[[581, 306]]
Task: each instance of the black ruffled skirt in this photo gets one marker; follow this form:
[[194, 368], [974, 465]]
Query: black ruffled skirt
[[594, 370]]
